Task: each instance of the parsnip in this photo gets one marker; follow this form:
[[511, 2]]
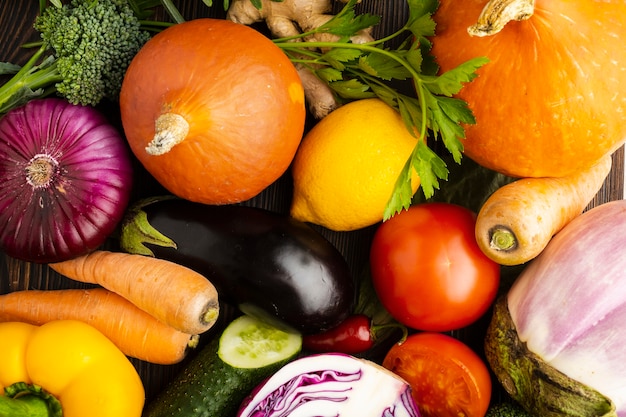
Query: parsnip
[[518, 220]]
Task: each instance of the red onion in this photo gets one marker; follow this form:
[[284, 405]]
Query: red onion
[[65, 180]]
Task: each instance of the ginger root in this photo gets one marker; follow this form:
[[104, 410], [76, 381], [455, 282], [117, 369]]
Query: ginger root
[[290, 18]]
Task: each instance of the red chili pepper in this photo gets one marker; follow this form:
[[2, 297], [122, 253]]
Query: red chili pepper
[[353, 335]]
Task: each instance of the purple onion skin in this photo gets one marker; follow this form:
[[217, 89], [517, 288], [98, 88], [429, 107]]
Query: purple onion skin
[[65, 180]]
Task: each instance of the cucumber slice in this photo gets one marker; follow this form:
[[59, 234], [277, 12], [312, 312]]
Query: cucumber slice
[[217, 380], [249, 343]]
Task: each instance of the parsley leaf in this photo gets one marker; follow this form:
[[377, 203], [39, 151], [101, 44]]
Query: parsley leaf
[[373, 69]]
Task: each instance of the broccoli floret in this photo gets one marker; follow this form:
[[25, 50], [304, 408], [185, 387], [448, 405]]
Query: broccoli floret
[[507, 409], [86, 48]]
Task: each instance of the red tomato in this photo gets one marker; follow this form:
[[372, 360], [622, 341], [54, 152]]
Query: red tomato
[[447, 378], [428, 270]]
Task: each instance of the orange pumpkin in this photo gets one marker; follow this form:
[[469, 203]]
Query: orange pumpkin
[[213, 110], [552, 99]]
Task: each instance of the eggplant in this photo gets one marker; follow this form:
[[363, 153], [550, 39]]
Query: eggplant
[[270, 266]]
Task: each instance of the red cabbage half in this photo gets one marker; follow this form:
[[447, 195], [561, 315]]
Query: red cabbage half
[[331, 385]]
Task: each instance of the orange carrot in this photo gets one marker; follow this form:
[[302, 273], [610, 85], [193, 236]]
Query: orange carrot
[[518, 220], [135, 332], [174, 294]]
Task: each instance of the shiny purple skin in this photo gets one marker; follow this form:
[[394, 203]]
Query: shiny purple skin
[[82, 186]]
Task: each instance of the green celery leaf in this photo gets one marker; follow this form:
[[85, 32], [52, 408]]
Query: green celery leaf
[[452, 81], [336, 57], [430, 168], [415, 58], [419, 8], [403, 192], [352, 89], [456, 110], [7, 68], [422, 26], [449, 129], [469, 185], [411, 113], [347, 23], [382, 67], [385, 94], [329, 74]]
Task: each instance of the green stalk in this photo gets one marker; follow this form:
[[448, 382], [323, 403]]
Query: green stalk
[[28, 80], [366, 47], [24, 400]]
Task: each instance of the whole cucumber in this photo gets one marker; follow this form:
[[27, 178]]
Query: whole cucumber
[[269, 265]]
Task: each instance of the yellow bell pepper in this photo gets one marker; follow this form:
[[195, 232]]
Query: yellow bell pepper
[[66, 368]]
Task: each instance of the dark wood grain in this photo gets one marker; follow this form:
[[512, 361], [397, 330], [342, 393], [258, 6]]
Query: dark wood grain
[[16, 18]]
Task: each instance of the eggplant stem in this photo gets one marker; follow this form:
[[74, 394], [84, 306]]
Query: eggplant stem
[[498, 13], [137, 232]]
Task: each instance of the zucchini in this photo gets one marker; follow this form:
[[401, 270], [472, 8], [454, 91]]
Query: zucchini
[[217, 380]]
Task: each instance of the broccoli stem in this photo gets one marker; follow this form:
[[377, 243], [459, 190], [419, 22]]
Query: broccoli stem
[[24, 400], [30, 81]]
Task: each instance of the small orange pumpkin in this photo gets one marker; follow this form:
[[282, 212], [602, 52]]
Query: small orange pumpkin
[[552, 99], [213, 110]]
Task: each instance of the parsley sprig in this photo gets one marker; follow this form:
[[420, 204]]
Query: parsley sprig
[[357, 71]]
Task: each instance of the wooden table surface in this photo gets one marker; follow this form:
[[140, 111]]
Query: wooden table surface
[[16, 19]]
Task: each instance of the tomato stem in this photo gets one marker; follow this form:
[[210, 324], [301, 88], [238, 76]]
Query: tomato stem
[[497, 13]]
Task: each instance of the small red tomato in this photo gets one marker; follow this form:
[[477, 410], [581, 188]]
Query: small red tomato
[[447, 378], [428, 270]]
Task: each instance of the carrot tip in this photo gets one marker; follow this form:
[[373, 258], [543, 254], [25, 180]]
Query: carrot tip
[[502, 239], [194, 341], [211, 315]]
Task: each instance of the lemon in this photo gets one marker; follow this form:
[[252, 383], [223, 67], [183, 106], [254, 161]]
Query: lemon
[[346, 167]]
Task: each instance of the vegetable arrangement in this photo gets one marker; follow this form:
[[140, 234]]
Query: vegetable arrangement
[[253, 256], [70, 367]]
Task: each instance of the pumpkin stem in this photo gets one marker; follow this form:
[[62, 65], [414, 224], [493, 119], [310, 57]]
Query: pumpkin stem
[[170, 130], [497, 13]]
